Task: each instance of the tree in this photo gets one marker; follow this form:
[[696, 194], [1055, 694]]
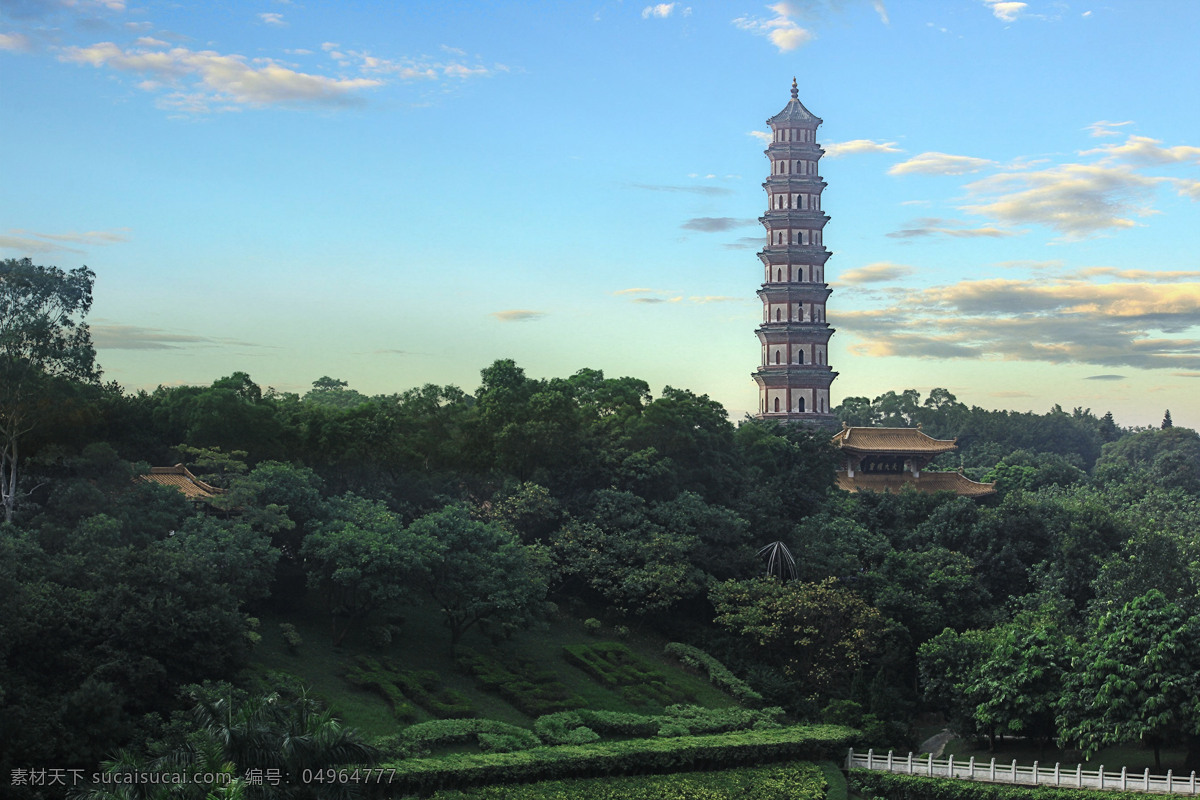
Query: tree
[[43, 343], [1166, 423], [1137, 678], [821, 632], [360, 559], [479, 572]]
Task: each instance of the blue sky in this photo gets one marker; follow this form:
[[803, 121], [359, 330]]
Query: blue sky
[[400, 193]]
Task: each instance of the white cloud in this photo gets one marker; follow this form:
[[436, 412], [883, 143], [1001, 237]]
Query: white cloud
[[659, 11], [763, 136], [934, 163], [855, 146], [1078, 200], [211, 77], [1105, 128], [518, 315], [15, 42], [1005, 11], [1144, 150], [272, 19], [879, 272], [783, 31], [26, 242]]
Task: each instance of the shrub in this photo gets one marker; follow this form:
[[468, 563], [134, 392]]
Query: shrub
[[491, 735], [398, 688], [889, 786], [519, 681], [796, 780], [585, 725], [641, 756], [291, 637], [718, 674], [592, 626], [617, 667]]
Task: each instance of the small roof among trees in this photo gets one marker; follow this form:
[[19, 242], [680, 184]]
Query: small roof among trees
[[928, 482], [180, 478], [891, 441]]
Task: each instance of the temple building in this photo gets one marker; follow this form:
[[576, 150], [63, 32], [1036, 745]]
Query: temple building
[[183, 481], [888, 459], [794, 376]]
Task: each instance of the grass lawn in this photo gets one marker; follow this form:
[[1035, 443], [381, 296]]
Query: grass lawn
[[424, 644]]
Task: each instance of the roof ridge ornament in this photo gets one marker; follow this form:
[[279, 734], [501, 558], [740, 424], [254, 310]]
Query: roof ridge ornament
[[795, 89]]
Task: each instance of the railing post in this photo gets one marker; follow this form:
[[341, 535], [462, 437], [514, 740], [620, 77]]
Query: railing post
[[1079, 775], [1101, 776], [910, 772], [889, 761], [950, 767], [992, 772], [870, 755], [971, 769], [1124, 778], [1057, 774], [1014, 771], [850, 759], [1146, 779], [1193, 786], [1035, 775], [1169, 779], [931, 764]]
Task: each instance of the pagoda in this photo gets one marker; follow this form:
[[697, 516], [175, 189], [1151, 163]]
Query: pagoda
[[794, 377]]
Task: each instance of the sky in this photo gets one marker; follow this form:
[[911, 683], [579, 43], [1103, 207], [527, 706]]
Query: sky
[[396, 194]]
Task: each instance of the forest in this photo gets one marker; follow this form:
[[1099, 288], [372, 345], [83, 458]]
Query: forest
[[1064, 610]]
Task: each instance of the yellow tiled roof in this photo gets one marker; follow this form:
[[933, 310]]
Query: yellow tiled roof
[[929, 482], [891, 440], [180, 478]]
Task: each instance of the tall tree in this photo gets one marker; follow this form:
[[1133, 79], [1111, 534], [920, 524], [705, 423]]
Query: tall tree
[[43, 343], [1137, 678]]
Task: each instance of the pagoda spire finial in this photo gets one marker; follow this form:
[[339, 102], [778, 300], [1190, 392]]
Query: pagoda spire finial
[[795, 91]]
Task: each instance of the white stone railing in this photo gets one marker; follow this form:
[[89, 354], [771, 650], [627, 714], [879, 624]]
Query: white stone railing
[[993, 772]]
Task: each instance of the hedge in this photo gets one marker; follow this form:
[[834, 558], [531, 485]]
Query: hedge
[[718, 674], [401, 688], [888, 785], [615, 666], [602, 759], [531, 690], [492, 735], [585, 725], [796, 780]]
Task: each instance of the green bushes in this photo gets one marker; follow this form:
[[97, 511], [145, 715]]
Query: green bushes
[[585, 725], [640, 756], [616, 667], [401, 689], [873, 783], [718, 674], [492, 736], [533, 691], [792, 781]]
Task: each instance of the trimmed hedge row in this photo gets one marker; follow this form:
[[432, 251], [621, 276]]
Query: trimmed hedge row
[[399, 687], [615, 666], [531, 690], [796, 780], [874, 783], [718, 674], [636, 757], [492, 735], [585, 725]]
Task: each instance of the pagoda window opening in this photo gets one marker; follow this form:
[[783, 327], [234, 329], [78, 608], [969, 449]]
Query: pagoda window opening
[[779, 275], [776, 361], [777, 404], [778, 315], [799, 356], [800, 405]]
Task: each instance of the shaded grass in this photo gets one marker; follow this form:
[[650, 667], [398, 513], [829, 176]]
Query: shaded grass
[[424, 644], [837, 781]]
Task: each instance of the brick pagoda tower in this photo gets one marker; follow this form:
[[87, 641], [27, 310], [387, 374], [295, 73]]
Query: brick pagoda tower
[[793, 381]]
